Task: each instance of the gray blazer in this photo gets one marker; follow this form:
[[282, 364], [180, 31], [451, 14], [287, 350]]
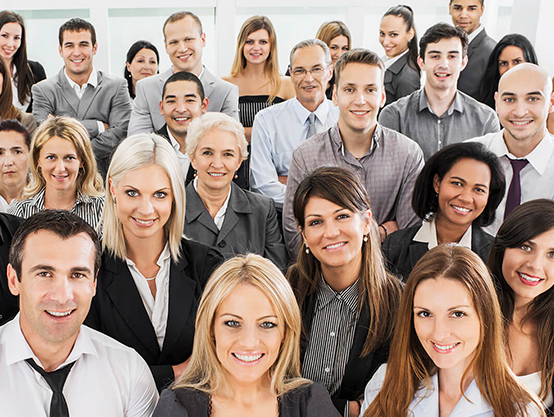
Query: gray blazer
[[109, 102], [223, 97], [401, 80], [478, 55], [250, 225]]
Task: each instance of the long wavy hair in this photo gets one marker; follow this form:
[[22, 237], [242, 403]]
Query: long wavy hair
[[271, 68], [409, 368], [7, 109]]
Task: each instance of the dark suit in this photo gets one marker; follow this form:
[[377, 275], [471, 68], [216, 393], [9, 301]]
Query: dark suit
[[402, 252], [401, 80], [250, 225], [9, 304], [118, 311], [478, 55]]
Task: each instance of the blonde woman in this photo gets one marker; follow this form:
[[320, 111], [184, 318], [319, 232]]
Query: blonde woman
[[63, 173], [151, 276], [246, 354]]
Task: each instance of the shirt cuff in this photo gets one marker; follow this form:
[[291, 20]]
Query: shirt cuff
[[101, 127]]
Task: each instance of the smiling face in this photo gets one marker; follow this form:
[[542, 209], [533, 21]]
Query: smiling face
[[509, 58], [446, 323], [443, 64], [13, 159], [56, 287], [463, 192], [10, 40], [77, 52], [466, 14], [310, 87], [337, 47], [529, 269], [184, 44], [248, 335], [144, 64], [257, 47], [394, 36], [60, 163], [144, 201]]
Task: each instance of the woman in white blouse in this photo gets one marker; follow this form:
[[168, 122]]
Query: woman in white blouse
[[151, 277]]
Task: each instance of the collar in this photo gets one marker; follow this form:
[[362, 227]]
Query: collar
[[336, 138], [174, 142], [390, 61], [457, 104], [349, 296], [223, 208], [18, 350], [475, 33], [38, 199], [303, 113], [92, 79], [427, 233], [538, 157]]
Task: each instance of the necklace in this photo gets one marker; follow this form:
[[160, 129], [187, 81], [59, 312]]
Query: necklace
[[149, 279], [51, 207]]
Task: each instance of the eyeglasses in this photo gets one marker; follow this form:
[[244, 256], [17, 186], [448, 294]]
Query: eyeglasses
[[301, 72]]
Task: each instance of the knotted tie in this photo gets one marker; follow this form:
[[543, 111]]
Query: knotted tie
[[514, 192], [311, 127]]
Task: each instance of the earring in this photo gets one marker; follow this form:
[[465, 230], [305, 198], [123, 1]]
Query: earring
[[365, 238], [236, 175], [307, 250], [81, 171], [195, 174], [114, 201]]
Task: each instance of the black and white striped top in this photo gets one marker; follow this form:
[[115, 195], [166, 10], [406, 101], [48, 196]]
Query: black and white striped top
[[87, 208], [249, 106], [331, 335]]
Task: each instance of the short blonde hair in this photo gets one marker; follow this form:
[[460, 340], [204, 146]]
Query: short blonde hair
[[135, 152], [330, 30], [205, 372], [204, 124], [89, 181]]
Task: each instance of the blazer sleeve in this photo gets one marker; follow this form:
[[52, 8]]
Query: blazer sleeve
[[274, 245], [408, 82], [230, 104], [389, 117], [42, 106], [140, 120]]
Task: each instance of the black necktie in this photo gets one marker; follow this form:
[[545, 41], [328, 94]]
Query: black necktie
[[56, 380]]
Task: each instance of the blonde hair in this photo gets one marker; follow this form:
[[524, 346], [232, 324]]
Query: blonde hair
[[135, 152], [205, 373], [330, 30], [204, 124], [271, 68], [89, 181]]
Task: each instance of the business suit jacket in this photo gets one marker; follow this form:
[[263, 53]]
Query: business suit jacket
[[478, 54], [250, 225], [109, 102], [403, 252], [223, 97], [400, 80], [9, 303], [118, 311]]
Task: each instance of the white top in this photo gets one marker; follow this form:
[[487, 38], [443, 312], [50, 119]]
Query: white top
[[475, 33], [184, 160], [428, 234], [390, 61], [80, 91], [220, 216], [157, 308], [108, 378], [536, 177], [533, 382], [3, 205]]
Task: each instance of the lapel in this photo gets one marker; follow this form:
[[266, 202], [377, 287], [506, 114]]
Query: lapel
[[238, 203], [88, 97], [208, 81], [398, 65], [195, 210], [415, 251], [125, 297], [67, 92], [160, 84], [473, 46]]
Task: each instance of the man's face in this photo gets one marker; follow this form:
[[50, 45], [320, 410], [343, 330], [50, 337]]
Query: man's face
[[466, 14], [184, 44], [77, 51], [443, 64], [56, 287], [310, 86], [180, 105], [359, 95]]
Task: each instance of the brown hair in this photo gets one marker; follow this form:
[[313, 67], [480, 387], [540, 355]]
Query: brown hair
[[330, 30], [358, 56], [7, 109]]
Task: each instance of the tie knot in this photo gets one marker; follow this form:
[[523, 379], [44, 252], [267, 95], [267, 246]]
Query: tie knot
[[55, 379], [518, 164]]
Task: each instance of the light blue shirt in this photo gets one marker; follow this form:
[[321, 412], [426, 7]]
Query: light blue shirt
[[276, 132]]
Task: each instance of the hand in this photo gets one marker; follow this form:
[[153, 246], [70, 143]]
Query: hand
[[106, 126], [50, 116], [283, 179], [354, 408], [391, 226], [180, 368]]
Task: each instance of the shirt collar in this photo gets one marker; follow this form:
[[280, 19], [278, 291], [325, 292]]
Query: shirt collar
[[475, 33], [457, 104], [173, 141], [38, 199], [427, 233], [538, 157], [223, 208], [164, 256], [349, 296], [336, 138], [389, 62], [92, 79], [303, 113]]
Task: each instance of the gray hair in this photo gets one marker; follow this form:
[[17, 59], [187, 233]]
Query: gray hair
[[311, 42]]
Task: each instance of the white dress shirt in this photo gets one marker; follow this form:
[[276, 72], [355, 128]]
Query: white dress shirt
[[536, 178], [428, 234], [183, 158], [80, 91], [475, 33], [390, 61], [533, 383], [108, 378]]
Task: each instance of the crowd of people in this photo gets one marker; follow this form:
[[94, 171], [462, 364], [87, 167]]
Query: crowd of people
[[361, 236]]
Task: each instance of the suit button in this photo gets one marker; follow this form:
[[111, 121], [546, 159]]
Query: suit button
[[222, 244]]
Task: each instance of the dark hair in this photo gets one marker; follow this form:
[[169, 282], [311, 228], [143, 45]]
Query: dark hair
[[440, 31], [185, 76], [358, 56], [425, 200], [175, 17], [407, 15], [525, 223], [24, 75], [131, 53], [14, 126], [7, 109], [77, 24], [60, 222], [491, 78]]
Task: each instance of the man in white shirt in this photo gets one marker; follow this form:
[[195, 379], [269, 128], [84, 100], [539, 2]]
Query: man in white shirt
[[279, 129], [51, 364], [523, 102]]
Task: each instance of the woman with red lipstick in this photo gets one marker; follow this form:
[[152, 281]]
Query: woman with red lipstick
[[447, 356], [245, 360], [151, 277], [455, 194], [522, 262], [347, 298], [63, 173]]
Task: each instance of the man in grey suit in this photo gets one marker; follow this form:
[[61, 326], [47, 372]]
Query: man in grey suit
[[184, 41], [467, 15], [98, 100]]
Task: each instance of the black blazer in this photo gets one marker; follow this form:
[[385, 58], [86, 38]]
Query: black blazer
[[478, 53], [38, 75], [9, 303], [400, 80], [402, 252], [118, 311], [358, 370]]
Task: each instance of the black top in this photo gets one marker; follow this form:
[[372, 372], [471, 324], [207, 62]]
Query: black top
[[9, 304], [38, 75], [249, 106], [310, 400]]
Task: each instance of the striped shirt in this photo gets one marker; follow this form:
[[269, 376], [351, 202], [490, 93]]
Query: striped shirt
[[331, 335], [249, 106], [87, 208]]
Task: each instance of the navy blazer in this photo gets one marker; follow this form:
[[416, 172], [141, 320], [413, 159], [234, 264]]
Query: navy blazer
[[403, 252], [401, 80], [250, 225], [117, 309], [9, 303], [478, 54]]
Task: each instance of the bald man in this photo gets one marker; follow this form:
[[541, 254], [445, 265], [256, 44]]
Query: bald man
[[525, 147]]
